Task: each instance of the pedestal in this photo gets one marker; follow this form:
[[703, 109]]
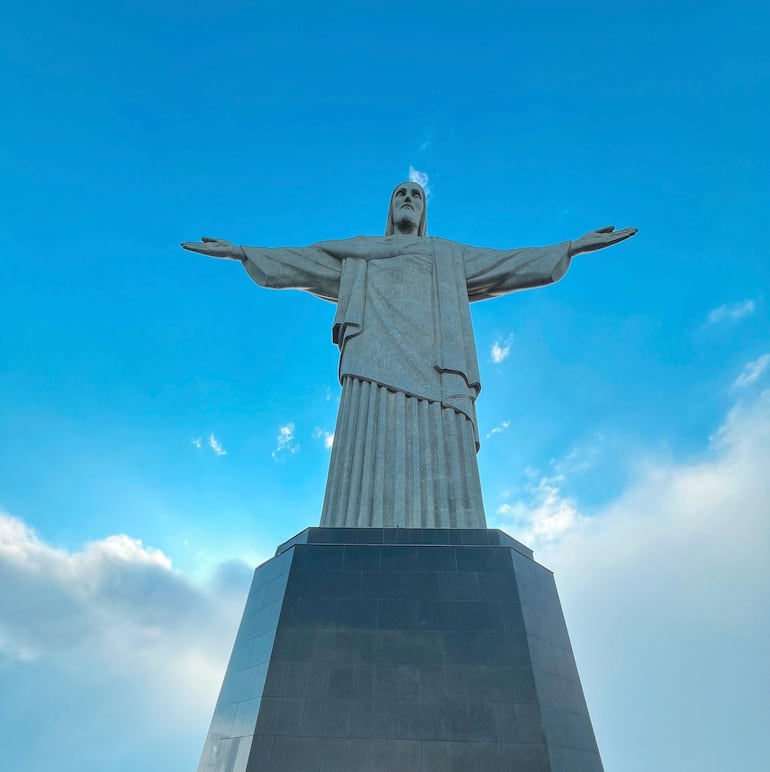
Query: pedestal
[[401, 650]]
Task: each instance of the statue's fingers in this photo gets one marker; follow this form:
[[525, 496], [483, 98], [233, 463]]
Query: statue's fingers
[[196, 246], [606, 229], [207, 239], [619, 236]]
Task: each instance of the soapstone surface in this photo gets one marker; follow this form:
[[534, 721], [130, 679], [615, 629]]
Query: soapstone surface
[[406, 438]]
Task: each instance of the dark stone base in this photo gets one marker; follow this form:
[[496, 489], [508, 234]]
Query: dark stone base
[[401, 650]]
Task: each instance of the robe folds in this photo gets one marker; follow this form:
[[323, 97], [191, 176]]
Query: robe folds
[[405, 443]]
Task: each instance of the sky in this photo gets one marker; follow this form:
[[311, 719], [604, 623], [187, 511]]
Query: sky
[[165, 423]]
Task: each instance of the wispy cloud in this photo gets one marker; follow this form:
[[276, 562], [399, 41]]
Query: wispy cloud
[[501, 349], [581, 457], [421, 178], [216, 446], [197, 442], [284, 441], [327, 437], [693, 503], [753, 371], [544, 515], [730, 312], [498, 429]]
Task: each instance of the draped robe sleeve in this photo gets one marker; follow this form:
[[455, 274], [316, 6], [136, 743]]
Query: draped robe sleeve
[[337, 271], [493, 272], [311, 269], [462, 274]]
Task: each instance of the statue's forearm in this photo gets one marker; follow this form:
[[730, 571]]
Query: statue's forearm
[[305, 268]]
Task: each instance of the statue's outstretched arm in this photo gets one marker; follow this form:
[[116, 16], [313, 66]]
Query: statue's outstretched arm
[[492, 272], [311, 269]]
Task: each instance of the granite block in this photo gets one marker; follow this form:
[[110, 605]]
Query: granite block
[[401, 649]]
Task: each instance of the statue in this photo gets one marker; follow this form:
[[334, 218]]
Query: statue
[[406, 438]]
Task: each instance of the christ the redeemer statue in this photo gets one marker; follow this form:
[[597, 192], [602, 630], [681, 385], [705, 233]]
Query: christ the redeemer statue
[[405, 443]]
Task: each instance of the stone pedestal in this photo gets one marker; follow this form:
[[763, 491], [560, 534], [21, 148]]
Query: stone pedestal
[[401, 650]]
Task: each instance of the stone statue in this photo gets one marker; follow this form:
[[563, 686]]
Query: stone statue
[[406, 437]]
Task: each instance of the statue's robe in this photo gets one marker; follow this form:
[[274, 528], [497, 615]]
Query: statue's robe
[[405, 443]]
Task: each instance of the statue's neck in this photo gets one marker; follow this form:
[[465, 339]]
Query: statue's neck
[[404, 229]]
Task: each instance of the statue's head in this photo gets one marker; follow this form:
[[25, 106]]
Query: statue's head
[[407, 210]]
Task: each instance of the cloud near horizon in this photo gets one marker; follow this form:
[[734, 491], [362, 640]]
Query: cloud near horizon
[[104, 631], [672, 575], [114, 596], [675, 564]]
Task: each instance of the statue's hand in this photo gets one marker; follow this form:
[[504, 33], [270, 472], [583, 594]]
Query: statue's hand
[[215, 248], [599, 239]]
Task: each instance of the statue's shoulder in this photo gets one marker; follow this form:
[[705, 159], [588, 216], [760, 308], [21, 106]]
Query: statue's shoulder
[[447, 246], [445, 242]]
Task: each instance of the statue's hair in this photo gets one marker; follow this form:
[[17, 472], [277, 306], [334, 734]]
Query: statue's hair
[[422, 227]]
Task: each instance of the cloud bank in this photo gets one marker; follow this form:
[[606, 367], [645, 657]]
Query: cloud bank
[[110, 649], [665, 589], [666, 592]]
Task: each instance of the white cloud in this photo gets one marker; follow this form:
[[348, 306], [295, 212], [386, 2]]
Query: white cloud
[[501, 349], [327, 437], [753, 371], [498, 429], [666, 591], [731, 311], [284, 441], [216, 446], [421, 178], [103, 631], [114, 599], [198, 443], [544, 516]]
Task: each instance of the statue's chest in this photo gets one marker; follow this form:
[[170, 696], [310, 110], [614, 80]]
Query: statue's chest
[[403, 278], [399, 294]]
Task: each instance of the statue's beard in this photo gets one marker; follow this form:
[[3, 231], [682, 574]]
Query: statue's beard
[[405, 223]]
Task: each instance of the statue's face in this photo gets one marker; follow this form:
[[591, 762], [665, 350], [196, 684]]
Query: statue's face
[[407, 205]]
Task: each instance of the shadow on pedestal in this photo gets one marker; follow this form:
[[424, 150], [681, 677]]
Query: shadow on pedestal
[[400, 650]]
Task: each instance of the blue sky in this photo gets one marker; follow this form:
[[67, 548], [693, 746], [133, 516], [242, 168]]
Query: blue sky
[[625, 412]]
